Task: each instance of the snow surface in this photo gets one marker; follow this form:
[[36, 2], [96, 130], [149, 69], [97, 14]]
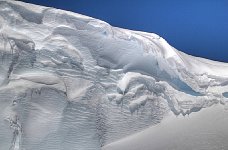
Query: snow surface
[[69, 81], [205, 130]]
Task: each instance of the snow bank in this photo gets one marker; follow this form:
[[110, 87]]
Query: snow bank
[[68, 80]]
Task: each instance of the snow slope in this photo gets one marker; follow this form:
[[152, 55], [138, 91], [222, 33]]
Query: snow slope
[[206, 130], [69, 81]]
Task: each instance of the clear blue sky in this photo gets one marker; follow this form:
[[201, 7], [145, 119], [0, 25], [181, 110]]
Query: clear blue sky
[[197, 27]]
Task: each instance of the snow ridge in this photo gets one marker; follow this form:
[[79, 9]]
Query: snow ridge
[[68, 76]]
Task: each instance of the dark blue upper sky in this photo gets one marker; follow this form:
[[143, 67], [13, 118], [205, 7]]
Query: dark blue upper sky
[[197, 27]]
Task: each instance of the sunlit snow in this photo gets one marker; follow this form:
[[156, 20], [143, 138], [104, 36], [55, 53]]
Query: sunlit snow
[[72, 82]]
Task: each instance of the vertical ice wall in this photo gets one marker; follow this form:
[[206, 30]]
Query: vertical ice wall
[[68, 81]]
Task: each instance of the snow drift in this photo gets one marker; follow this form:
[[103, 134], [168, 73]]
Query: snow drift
[[69, 81]]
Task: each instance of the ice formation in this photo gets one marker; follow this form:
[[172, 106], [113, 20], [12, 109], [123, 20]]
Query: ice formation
[[69, 81]]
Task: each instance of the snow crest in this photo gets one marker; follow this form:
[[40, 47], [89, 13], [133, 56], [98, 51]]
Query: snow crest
[[69, 81]]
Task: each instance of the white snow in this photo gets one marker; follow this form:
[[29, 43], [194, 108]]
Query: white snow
[[204, 130], [68, 81]]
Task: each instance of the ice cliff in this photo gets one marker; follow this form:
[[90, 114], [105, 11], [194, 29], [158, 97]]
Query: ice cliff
[[72, 82]]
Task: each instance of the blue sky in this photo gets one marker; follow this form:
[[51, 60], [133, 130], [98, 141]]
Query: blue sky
[[197, 27]]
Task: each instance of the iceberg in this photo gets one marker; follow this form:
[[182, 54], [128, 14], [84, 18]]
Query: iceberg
[[69, 81]]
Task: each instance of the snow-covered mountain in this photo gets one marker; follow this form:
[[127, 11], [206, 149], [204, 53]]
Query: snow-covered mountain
[[72, 82]]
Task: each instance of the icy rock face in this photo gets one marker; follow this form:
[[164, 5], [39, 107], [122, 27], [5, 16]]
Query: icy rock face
[[68, 81]]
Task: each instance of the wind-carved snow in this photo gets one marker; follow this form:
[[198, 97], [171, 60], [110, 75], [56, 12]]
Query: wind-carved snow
[[68, 81]]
